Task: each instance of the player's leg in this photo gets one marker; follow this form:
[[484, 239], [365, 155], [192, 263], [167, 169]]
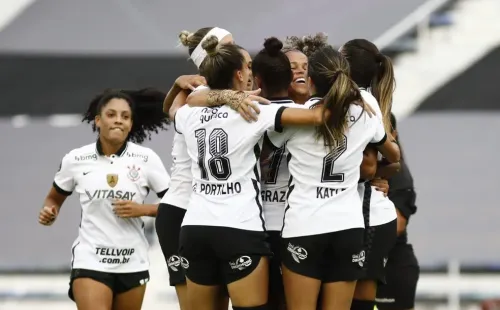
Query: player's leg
[[91, 290], [168, 226], [302, 269], [379, 240], [245, 260], [343, 267], [129, 290]]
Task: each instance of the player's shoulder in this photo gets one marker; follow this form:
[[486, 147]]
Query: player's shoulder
[[141, 152], [369, 99], [311, 102], [200, 87]]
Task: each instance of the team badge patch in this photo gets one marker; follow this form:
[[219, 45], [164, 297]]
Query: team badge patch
[[133, 173], [112, 179]]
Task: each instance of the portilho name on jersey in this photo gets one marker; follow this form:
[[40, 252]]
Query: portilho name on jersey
[[220, 189]]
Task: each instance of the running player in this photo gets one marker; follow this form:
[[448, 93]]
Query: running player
[[323, 224], [402, 269], [112, 178], [373, 73], [222, 235]]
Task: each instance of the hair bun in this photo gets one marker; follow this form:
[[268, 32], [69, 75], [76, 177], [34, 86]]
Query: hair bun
[[184, 37], [210, 45], [273, 46]]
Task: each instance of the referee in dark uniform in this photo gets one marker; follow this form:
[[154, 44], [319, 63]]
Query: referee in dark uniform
[[402, 269]]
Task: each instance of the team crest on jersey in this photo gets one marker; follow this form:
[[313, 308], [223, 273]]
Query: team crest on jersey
[[133, 173], [112, 179]]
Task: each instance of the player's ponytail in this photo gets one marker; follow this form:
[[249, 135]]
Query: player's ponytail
[[374, 70], [146, 107], [329, 72]]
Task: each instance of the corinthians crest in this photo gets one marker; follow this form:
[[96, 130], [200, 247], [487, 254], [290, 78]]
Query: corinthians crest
[[133, 173], [112, 179]]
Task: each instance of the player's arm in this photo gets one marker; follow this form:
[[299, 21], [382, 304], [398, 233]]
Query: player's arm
[[184, 82], [385, 170], [62, 187], [401, 222], [368, 166], [385, 142]]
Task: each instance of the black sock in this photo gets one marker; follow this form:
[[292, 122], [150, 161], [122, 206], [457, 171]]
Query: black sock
[[358, 304]]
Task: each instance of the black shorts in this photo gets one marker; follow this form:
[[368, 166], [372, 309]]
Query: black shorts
[[168, 228], [331, 257], [402, 273], [276, 289], [214, 255], [117, 282], [379, 240]]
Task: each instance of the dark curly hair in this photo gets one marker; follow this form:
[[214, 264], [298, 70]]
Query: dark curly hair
[[146, 106], [307, 44]]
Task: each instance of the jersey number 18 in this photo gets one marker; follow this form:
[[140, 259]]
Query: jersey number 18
[[218, 164]]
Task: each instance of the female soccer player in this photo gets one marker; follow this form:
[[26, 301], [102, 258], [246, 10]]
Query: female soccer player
[[402, 269], [222, 235], [112, 178], [374, 73], [323, 224]]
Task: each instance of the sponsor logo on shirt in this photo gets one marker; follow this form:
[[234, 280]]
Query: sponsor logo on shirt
[[209, 114]]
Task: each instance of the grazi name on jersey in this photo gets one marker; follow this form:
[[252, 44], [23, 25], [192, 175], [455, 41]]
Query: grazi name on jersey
[[325, 192], [144, 157], [220, 189], [110, 194], [273, 196], [209, 114], [92, 156]]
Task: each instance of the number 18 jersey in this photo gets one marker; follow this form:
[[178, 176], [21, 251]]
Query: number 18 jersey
[[323, 196], [225, 151]]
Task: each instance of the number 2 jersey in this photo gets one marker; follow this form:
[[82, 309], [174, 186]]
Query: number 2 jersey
[[225, 152], [322, 194], [105, 241]]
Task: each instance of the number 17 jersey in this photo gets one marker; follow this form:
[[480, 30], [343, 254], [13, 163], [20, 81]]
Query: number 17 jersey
[[225, 152], [323, 195]]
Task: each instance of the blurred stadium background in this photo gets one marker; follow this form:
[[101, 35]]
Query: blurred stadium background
[[56, 54]]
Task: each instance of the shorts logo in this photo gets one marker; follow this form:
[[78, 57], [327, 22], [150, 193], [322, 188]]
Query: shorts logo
[[184, 262], [174, 262], [144, 281], [298, 253], [133, 173], [112, 179], [359, 258], [241, 263], [385, 261]]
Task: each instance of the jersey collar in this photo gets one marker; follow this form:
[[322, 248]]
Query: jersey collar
[[120, 152], [315, 97], [280, 100]]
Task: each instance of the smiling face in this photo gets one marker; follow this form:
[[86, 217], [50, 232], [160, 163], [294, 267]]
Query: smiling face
[[114, 121], [299, 63]]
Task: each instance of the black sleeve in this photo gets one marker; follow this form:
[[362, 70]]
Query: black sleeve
[[278, 127], [404, 200], [162, 193], [60, 190], [380, 142]]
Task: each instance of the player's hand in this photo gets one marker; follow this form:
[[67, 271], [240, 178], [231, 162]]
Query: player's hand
[[127, 209], [381, 185], [248, 108], [190, 82], [47, 215]]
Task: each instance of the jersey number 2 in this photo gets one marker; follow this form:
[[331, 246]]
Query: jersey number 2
[[329, 162], [219, 165]]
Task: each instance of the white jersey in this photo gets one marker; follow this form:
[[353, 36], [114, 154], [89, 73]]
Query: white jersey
[[275, 183], [106, 242], [180, 188], [180, 182], [382, 209], [225, 151], [323, 196]]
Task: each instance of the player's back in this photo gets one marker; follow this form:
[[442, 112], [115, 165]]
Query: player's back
[[324, 178], [225, 152]]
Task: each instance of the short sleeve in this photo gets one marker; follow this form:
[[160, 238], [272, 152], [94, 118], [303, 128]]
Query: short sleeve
[[158, 178], [380, 135], [270, 117], [278, 139], [64, 181], [180, 118]]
